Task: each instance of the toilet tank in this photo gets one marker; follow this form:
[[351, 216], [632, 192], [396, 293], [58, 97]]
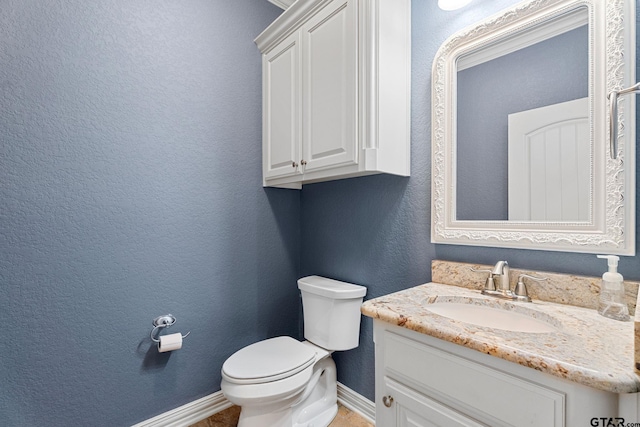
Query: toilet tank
[[331, 312]]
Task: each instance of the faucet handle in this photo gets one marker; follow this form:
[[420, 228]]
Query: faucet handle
[[521, 288], [489, 284]]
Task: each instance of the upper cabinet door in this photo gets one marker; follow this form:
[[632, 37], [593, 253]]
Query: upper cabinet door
[[330, 76], [336, 91], [281, 109]]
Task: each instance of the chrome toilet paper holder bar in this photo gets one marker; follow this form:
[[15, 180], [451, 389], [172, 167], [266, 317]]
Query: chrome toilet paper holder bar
[[164, 321]]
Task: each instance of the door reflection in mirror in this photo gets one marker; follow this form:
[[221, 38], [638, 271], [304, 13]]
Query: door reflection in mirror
[[549, 163]]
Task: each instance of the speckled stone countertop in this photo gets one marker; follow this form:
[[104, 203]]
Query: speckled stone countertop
[[587, 348]]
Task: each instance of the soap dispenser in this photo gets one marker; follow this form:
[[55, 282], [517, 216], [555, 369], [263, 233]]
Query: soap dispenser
[[611, 302]]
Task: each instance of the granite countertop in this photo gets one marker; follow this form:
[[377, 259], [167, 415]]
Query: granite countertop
[[587, 348]]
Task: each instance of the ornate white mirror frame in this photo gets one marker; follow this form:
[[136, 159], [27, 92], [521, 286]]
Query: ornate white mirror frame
[[611, 227]]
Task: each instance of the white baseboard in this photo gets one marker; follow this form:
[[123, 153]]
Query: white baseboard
[[190, 413], [205, 407], [357, 403]]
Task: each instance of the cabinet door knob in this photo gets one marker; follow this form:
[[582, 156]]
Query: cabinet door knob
[[387, 400], [303, 162], [294, 164]]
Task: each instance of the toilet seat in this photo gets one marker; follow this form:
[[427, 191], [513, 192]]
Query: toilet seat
[[267, 361]]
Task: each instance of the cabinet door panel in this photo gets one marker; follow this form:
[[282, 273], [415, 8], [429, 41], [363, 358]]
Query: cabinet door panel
[[330, 86], [486, 393], [416, 410], [281, 104]]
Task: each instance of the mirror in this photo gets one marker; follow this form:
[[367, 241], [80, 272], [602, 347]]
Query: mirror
[[523, 84], [519, 130]]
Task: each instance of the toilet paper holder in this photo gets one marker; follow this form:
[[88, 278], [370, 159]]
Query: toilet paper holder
[[164, 321]]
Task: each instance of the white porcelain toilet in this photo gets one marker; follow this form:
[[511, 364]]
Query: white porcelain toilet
[[282, 382]]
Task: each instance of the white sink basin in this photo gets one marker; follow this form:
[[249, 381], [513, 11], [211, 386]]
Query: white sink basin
[[490, 317]]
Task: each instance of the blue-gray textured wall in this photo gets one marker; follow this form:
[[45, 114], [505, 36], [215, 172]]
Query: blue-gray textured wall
[[130, 171], [130, 187], [375, 230]]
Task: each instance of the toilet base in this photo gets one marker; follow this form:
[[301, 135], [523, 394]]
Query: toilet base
[[318, 405], [322, 419], [257, 417], [315, 407]]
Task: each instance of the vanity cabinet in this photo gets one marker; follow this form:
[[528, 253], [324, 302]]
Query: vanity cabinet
[[424, 381], [336, 91]]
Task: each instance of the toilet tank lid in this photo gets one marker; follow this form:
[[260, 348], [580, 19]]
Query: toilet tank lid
[[331, 288]]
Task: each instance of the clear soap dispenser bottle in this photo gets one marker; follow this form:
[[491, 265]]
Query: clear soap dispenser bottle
[[612, 304]]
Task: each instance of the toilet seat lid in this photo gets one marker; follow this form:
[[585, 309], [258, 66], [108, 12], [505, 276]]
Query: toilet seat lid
[[268, 360]]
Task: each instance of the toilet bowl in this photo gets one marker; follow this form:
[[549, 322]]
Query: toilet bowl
[[283, 382]]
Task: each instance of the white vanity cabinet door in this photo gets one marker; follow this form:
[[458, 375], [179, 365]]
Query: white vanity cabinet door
[[281, 91], [330, 78], [429, 378], [443, 386], [412, 409], [484, 393]]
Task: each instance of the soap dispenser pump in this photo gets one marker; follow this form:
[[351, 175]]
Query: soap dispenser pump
[[612, 304]]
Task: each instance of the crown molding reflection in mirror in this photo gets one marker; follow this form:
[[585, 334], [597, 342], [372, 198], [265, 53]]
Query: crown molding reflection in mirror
[[611, 51], [282, 4]]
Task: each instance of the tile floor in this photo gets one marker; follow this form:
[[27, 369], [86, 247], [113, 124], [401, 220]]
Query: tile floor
[[229, 418]]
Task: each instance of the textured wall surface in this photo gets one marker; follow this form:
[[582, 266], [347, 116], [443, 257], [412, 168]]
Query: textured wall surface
[[130, 171], [374, 231]]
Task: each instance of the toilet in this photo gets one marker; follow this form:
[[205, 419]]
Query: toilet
[[282, 382]]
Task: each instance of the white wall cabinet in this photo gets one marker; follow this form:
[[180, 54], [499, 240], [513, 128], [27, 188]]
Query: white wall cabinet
[[281, 109], [336, 91], [424, 381]]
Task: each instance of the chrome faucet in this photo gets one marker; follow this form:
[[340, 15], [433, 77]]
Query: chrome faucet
[[501, 271], [498, 284]]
